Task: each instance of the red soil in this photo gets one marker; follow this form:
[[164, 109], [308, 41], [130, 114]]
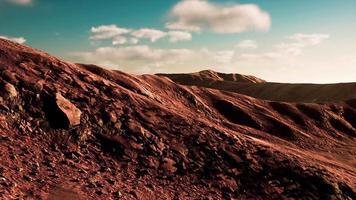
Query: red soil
[[146, 137]]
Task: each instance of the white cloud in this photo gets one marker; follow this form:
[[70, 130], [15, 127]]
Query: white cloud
[[247, 44], [107, 32], [119, 40], [133, 41], [290, 48], [135, 57], [19, 40], [195, 15], [309, 39], [175, 36], [152, 34], [301, 41], [120, 36], [21, 2]]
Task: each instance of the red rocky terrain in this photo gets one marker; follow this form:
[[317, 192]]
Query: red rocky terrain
[[74, 131], [258, 88]]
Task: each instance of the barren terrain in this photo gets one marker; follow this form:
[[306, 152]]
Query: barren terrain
[[258, 88], [75, 131]]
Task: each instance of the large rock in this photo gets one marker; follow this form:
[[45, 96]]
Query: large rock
[[60, 112], [9, 76], [10, 91], [70, 110]]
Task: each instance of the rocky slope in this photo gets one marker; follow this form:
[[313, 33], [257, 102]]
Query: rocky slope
[[211, 76], [71, 131], [255, 87]]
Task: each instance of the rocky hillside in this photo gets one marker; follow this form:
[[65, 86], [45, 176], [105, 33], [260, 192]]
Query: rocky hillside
[[257, 88], [71, 131], [212, 76]]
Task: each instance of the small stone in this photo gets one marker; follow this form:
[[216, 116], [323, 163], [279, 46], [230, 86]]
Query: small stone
[[168, 165], [39, 86], [134, 194], [2, 179], [10, 91], [100, 122], [84, 134], [111, 181], [118, 125], [27, 178], [112, 117], [117, 194]]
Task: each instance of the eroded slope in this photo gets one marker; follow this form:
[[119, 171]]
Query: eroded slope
[[146, 137]]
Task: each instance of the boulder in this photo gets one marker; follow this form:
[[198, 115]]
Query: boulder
[[9, 76], [60, 112], [70, 110], [10, 91]]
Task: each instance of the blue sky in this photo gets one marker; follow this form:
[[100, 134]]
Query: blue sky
[[285, 41]]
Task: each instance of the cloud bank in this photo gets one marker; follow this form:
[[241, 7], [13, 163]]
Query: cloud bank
[[143, 58], [196, 15], [120, 36]]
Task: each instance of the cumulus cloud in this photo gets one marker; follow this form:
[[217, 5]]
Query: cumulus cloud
[[119, 40], [301, 41], [152, 34], [247, 44], [119, 35], [107, 32], [19, 40], [195, 15], [175, 36]]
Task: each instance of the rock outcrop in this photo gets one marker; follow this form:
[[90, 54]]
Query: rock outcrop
[[70, 110]]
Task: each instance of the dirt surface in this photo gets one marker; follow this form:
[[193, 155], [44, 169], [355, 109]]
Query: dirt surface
[[71, 131], [258, 88]]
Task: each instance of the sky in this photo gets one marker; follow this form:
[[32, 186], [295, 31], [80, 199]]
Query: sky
[[296, 41]]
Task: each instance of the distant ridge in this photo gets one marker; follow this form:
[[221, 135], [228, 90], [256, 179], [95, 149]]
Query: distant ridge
[[210, 75], [258, 88]]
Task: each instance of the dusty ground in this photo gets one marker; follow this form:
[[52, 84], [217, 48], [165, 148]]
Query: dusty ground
[[71, 131]]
